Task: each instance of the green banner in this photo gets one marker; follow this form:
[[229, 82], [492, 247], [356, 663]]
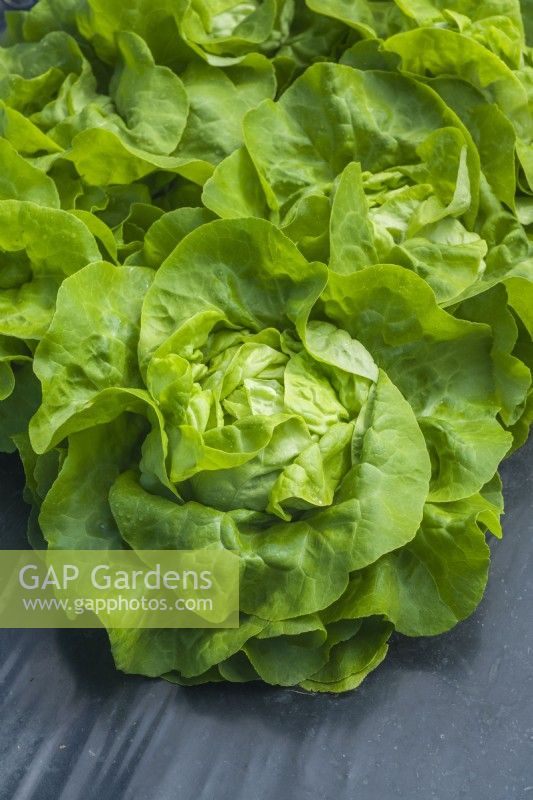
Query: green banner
[[119, 589]]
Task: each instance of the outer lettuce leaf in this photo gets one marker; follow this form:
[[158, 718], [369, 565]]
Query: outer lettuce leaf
[[39, 248], [445, 52], [93, 461], [21, 181], [442, 366], [17, 408], [99, 20], [433, 582], [115, 362], [166, 233]]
